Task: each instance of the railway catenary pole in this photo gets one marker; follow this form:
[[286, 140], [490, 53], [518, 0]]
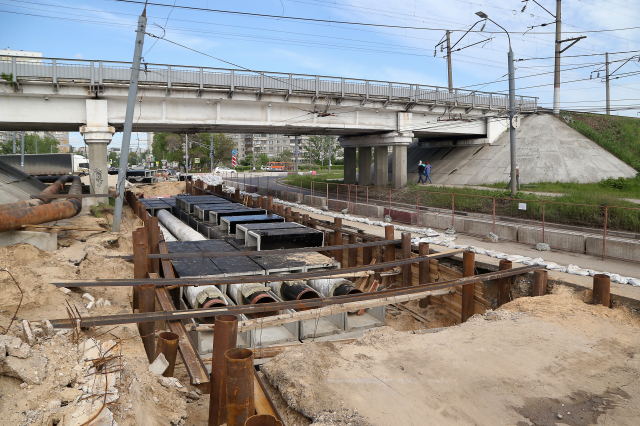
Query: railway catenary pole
[[128, 119]]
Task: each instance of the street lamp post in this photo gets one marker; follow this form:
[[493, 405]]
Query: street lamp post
[[512, 106]]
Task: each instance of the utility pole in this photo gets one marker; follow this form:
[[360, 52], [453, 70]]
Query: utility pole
[[330, 146], [14, 142], [211, 153], [607, 81], [450, 71], [128, 119], [556, 74], [295, 155], [22, 154], [512, 114], [186, 153]]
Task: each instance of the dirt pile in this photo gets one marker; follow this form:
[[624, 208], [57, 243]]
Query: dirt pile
[[517, 365], [159, 189]]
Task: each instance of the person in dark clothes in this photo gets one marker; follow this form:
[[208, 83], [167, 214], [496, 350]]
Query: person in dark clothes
[[421, 173], [427, 172]]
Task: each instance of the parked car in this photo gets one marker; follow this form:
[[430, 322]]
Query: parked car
[[224, 170]]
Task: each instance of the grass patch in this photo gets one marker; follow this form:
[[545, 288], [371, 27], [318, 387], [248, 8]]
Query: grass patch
[[618, 135], [616, 188], [588, 207]]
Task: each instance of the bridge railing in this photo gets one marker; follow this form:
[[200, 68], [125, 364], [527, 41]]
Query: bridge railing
[[82, 71]]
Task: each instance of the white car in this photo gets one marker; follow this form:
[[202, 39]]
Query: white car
[[223, 170]]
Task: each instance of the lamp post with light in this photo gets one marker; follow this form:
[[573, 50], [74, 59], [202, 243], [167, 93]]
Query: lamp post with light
[[512, 106]]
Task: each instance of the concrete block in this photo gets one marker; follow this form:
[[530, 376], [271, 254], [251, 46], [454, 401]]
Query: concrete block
[[314, 201], [504, 231], [441, 221], [47, 241], [616, 247], [337, 205], [556, 238], [367, 210], [159, 365], [403, 216]]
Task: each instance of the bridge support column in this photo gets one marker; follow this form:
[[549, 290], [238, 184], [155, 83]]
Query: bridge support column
[[350, 165], [381, 166], [399, 172], [364, 165], [97, 134]]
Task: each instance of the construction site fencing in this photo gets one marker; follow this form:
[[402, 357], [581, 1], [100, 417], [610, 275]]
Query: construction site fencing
[[604, 231]]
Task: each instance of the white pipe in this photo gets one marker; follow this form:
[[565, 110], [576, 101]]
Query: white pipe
[[181, 231], [168, 236], [327, 286]]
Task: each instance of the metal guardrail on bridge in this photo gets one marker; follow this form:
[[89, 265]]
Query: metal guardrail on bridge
[[99, 73]]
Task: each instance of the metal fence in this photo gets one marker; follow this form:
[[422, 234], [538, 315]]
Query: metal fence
[[99, 73], [603, 231]]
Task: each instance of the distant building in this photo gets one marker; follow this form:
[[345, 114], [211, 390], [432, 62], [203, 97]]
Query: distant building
[[23, 55], [150, 136]]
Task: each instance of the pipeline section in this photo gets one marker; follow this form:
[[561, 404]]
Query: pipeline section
[[51, 189], [36, 214]]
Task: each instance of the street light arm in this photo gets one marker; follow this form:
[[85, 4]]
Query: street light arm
[[508, 36], [465, 34]]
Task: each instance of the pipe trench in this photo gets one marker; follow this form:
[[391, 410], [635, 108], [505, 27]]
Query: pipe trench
[[51, 189], [31, 213]]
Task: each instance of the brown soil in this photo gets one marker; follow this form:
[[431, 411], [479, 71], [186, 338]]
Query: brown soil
[[516, 366], [159, 189]]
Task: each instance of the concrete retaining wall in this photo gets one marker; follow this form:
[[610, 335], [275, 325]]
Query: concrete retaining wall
[[441, 221], [616, 247], [564, 240], [403, 216], [338, 205], [314, 201], [371, 211], [47, 241], [504, 231]]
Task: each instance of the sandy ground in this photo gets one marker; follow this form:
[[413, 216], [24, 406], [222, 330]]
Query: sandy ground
[[552, 360]]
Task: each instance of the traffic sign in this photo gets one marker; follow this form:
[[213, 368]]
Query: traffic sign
[[234, 152], [233, 161], [196, 161]]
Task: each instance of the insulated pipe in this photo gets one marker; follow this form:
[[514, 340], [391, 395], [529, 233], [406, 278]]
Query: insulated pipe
[[240, 392], [293, 290], [60, 209], [252, 294], [51, 189], [180, 230], [333, 287]]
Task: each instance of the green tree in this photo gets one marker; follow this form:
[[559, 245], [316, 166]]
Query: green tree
[[286, 155], [45, 145], [318, 149], [114, 158], [248, 160], [170, 146]]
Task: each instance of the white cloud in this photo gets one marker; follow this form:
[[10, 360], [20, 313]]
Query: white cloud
[[79, 56]]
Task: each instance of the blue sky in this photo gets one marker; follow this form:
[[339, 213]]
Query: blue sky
[[104, 29]]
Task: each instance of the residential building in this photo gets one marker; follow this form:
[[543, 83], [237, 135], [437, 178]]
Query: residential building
[[150, 136]]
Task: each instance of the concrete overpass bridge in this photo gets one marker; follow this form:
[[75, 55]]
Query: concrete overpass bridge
[[90, 96]]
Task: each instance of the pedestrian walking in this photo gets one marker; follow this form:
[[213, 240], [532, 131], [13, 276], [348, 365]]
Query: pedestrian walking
[[427, 172], [517, 178], [421, 173]]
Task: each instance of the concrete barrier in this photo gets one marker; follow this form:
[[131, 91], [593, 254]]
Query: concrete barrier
[[367, 210], [556, 238], [616, 247], [337, 205], [47, 241], [314, 201], [403, 216], [441, 221], [504, 231]]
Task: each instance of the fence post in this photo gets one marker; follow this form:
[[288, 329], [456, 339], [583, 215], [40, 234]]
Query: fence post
[[390, 249], [468, 270], [418, 207], [493, 215], [389, 202], [327, 195], [367, 198], [349, 198], [355, 209], [453, 203], [543, 213], [337, 192], [312, 193], [353, 252], [604, 238]]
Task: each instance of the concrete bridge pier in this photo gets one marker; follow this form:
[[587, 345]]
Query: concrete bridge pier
[[381, 142], [98, 134]]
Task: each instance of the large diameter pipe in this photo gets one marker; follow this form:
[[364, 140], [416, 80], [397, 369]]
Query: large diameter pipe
[[20, 205], [147, 329], [35, 215], [240, 392], [225, 336], [49, 190], [262, 420], [602, 290], [180, 230], [168, 346], [252, 294], [293, 290], [333, 287]]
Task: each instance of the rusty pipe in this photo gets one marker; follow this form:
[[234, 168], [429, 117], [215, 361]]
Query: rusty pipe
[[60, 209], [602, 290], [504, 284], [20, 205], [168, 346], [240, 392], [225, 336], [51, 189], [539, 287], [147, 295], [57, 186], [262, 420]]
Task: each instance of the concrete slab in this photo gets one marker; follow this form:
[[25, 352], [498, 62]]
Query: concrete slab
[[47, 241], [241, 230], [273, 239], [556, 238], [228, 224], [616, 247]]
